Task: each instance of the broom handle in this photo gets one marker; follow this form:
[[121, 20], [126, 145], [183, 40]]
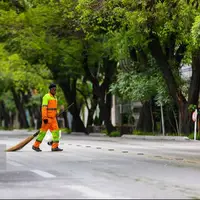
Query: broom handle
[[65, 109], [35, 134]]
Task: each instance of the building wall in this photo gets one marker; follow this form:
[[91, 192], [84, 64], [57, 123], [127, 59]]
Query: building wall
[[131, 108]]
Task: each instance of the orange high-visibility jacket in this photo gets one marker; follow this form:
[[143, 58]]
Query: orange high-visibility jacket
[[49, 106]]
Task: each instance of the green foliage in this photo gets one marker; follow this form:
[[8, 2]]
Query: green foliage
[[196, 32], [174, 134], [137, 132], [8, 100], [104, 131], [4, 128], [66, 130], [44, 40], [115, 134], [31, 44], [192, 107], [140, 87], [112, 134], [191, 136]]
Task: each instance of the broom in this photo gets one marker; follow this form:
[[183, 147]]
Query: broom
[[29, 138]]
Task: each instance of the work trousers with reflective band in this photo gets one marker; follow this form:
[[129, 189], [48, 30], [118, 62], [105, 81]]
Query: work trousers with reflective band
[[52, 125]]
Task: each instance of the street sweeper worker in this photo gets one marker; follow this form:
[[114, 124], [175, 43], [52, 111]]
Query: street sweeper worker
[[49, 121]]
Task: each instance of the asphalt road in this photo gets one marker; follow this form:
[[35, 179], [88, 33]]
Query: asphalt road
[[100, 168]]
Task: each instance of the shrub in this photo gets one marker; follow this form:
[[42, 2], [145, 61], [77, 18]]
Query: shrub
[[191, 136], [115, 134], [66, 130], [104, 131], [137, 132]]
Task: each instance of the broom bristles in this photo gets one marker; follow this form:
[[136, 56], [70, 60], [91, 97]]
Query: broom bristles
[[23, 143]]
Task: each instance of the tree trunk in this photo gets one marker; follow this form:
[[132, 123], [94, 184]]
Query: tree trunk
[[20, 108], [64, 116], [105, 112], [12, 117], [4, 114], [173, 88], [170, 121], [69, 89], [193, 95], [92, 110], [37, 116], [145, 119], [101, 91], [26, 98]]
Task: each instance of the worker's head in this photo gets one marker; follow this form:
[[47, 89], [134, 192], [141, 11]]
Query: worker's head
[[52, 88]]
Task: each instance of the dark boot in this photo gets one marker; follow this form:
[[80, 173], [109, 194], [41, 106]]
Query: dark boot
[[56, 149], [55, 146], [36, 148], [50, 143]]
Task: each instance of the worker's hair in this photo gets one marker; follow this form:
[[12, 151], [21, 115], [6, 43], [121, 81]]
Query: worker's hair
[[52, 85]]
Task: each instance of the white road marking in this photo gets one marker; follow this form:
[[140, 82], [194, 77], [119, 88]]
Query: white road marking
[[43, 173], [14, 163], [86, 191]]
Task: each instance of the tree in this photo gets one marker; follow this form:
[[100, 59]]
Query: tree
[[157, 27], [38, 42]]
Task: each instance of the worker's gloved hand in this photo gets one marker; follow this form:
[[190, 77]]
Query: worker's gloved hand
[[45, 121]]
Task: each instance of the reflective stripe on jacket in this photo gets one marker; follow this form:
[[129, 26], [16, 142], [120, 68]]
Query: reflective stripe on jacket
[[49, 106]]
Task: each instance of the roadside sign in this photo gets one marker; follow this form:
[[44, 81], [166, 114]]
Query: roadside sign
[[194, 118], [194, 115]]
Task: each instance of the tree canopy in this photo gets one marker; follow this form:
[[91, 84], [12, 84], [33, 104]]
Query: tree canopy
[[93, 49]]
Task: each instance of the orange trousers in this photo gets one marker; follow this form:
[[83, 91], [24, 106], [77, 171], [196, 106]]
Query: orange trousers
[[52, 125]]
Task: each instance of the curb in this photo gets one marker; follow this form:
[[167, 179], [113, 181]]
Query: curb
[[90, 134], [125, 136], [98, 135], [148, 137], [136, 137]]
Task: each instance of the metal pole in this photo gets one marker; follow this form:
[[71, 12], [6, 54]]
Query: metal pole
[[162, 119], [195, 130], [195, 125]]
